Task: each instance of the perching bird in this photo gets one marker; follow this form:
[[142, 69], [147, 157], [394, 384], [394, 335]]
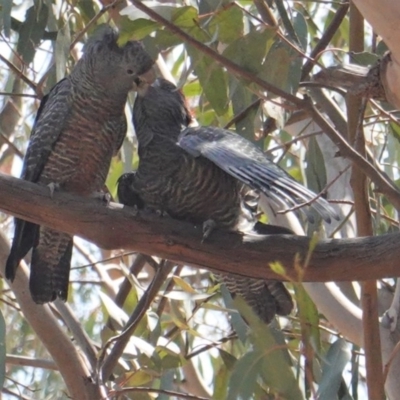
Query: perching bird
[[79, 126], [201, 175]]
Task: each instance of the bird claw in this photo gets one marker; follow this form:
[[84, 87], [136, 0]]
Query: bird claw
[[53, 186], [208, 227], [107, 198], [102, 196]]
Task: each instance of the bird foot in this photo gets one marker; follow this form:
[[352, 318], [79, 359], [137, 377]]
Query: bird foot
[[208, 227], [102, 196], [152, 211], [53, 186], [160, 213], [107, 198]]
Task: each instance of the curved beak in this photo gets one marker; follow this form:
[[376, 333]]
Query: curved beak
[[148, 77]]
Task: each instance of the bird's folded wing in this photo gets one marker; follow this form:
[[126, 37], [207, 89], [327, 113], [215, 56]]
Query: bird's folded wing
[[49, 123]]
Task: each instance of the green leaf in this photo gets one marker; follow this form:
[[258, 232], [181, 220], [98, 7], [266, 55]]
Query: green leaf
[[163, 40], [242, 98], [212, 79], [228, 359], [137, 378], [185, 17], [365, 58], [116, 170], [165, 11], [171, 361], [277, 267], [315, 173], [183, 285], [244, 376], [63, 43], [177, 316], [236, 319], [309, 317], [31, 31], [192, 89], [300, 26], [6, 6], [136, 30], [291, 33], [87, 9], [315, 170], [272, 361], [227, 24], [276, 67], [113, 311], [221, 380], [335, 361], [249, 51]]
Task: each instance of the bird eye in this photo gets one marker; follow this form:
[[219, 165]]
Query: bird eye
[[130, 71]]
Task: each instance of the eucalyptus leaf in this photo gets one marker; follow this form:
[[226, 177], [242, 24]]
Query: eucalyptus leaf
[[31, 31], [6, 6], [334, 363], [63, 43]]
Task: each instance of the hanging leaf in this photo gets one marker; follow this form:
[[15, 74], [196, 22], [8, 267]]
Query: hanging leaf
[[31, 31], [63, 43], [334, 363], [6, 6]]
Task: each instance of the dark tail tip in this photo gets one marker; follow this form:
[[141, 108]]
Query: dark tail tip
[[11, 267], [47, 281]]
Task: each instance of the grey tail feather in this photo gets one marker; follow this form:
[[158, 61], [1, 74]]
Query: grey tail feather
[[266, 298], [25, 237], [48, 282], [283, 299]]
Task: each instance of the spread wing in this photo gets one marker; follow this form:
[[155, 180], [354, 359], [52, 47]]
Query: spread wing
[[49, 122], [247, 163]]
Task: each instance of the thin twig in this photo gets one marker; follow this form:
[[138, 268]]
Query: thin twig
[[105, 368], [202, 349], [31, 362], [79, 334], [19, 74], [327, 36]]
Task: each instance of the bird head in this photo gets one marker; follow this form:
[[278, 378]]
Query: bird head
[[114, 67], [161, 99]]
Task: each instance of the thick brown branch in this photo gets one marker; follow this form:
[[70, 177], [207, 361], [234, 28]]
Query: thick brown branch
[[332, 260]]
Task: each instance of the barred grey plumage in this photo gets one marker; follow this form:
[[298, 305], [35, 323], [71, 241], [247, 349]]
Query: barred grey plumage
[[198, 175], [79, 126]]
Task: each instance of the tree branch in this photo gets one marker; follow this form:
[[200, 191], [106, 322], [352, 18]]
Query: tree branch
[[75, 373], [247, 255]]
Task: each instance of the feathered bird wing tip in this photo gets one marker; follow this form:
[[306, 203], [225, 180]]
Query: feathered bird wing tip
[[247, 163]]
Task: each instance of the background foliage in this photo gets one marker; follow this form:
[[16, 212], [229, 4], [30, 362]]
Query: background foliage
[[189, 340]]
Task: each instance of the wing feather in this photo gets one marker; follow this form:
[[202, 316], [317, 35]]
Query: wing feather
[[49, 123], [247, 163]]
